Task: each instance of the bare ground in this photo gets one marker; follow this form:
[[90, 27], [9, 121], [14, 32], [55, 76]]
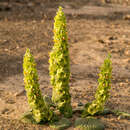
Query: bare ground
[[93, 31]]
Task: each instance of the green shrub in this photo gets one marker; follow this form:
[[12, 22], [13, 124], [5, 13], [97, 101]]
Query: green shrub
[[60, 66], [39, 110], [102, 93]]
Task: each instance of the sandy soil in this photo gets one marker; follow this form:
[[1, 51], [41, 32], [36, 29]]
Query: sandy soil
[[94, 30]]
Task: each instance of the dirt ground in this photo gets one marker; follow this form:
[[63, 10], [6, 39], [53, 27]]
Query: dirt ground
[[94, 29]]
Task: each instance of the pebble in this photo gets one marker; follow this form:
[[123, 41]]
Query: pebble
[[30, 4], [127, 52], [126, 17], [4, 111], [101, 41], [20, 93], [80, 104], [113, 38]]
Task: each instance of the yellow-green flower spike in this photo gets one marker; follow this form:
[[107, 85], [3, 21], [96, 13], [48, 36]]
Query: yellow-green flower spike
[[102, 93], [39, 110], [60, 67]]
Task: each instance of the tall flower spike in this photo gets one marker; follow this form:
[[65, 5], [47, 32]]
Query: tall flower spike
[[39, 110], [60, 67], [102, 93]]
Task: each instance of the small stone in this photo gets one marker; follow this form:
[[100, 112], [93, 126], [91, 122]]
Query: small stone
[[127, 52], [6, 49], [20, 93], [121, 84], [127, 80], [127, 17], [61, 124], [101, 41], [4, 111], [112, 38], [10, 101], [89, 123], [80, 104], [17, 47], [30, 4], [75, 104], [5, 6]]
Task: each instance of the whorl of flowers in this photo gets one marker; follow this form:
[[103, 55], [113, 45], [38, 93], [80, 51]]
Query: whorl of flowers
[[59, 66], [39, 110], [102, 93]]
